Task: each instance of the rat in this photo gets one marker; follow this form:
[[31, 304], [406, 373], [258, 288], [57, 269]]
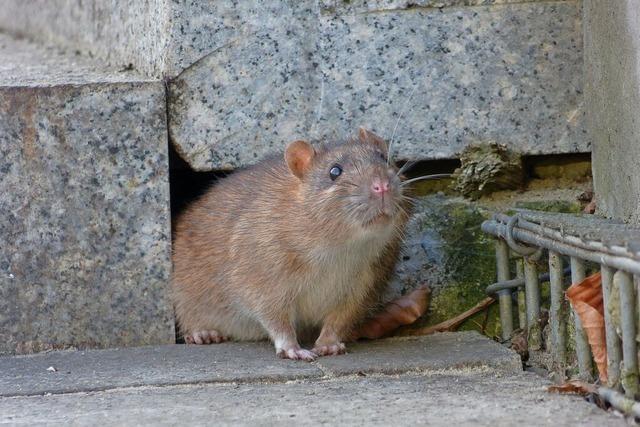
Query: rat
[[295, 244]]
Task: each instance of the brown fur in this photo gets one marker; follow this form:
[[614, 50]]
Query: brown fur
[[279, 249]]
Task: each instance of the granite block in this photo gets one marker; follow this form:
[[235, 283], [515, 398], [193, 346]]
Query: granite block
[[250, 76], [123, 33], [246, 100], [84, 205], [449, 76], [365, 6]]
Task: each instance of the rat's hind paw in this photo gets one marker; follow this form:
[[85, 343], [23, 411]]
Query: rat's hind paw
[[296, 354], [205, 337], [330, 350]]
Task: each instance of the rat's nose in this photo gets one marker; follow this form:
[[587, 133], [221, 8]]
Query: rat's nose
[[380, 186]]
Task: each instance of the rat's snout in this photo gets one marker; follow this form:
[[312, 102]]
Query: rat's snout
[[380, 186]]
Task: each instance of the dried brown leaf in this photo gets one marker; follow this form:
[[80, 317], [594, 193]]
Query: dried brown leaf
[[586, 299], [399, 312], [573, 387]]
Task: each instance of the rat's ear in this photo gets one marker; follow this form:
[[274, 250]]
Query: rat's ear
[[368, 137], [299, 155]]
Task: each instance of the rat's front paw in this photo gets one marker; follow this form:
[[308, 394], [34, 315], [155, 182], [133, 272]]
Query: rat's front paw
[[330, 349], [205, 337], [296, 353]]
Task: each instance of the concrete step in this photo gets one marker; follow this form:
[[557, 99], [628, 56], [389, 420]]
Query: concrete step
[[467, 399], [91, 370], [250, 76], [447, 379], [84, 205]]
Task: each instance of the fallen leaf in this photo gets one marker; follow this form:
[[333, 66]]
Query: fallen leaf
[[586, 299], [399, 312], [590, 208], [453, 323], [519, 343], [573, 387]]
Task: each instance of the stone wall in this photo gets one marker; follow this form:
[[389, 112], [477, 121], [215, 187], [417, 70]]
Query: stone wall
[[247, 77], [446, 76], [85, 129], [612, 94], [121, 33], [84, 204]]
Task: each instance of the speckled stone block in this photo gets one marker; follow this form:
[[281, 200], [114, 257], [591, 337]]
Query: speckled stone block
[[447, 76], [122, 33], [84, 205], [249, 76], [251, 79]]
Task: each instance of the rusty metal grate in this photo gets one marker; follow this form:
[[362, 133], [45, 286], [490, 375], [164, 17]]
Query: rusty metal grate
[[587, 242]]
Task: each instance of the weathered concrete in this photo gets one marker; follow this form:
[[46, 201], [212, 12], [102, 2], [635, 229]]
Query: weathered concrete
[[459, 398], [91, 370], [449, 379], [509, 73], [434, 352], [612, 94], [84, 204]]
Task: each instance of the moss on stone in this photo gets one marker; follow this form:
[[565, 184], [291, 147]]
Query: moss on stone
[[486, 168], [569, 168], [465, 260], [562, 206], [453, 255], [425, 188]]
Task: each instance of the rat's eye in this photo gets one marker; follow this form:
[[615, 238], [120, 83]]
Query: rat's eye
[[335, 171], [381, 155]]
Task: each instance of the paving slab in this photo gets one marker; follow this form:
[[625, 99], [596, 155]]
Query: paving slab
[[146, 366], [84, 204], [433, 352], [76, 371], [473, 397]]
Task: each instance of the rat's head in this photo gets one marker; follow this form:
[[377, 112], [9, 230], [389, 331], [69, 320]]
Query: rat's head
[[352, 182]]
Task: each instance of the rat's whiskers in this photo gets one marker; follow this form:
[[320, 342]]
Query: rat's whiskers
[[426, 178]]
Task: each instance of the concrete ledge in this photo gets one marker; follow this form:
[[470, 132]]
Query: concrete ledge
[[91, 370], [474, 398], [459, 350], [242, 362]]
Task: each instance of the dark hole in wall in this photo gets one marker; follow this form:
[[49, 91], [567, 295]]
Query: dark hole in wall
[[185, 184], [430, 167], [574, 166]]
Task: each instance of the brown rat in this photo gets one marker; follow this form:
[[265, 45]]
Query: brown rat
[[295, 243]]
